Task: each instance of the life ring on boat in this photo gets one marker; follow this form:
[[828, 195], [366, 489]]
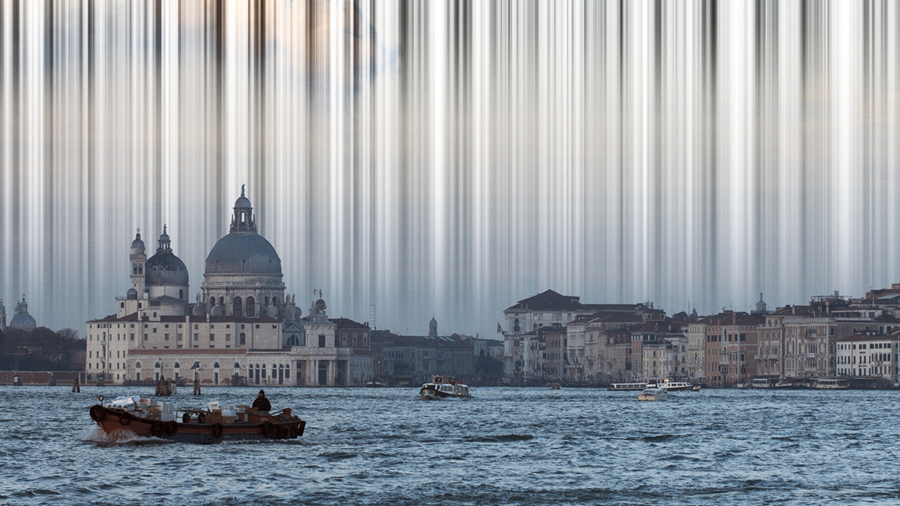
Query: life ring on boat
[[301, 427], [201, 418], [98, 412], [186, 418], [217, 430], [125, 418], [171, 427], [282, 432], [268, 429], [157, 429]]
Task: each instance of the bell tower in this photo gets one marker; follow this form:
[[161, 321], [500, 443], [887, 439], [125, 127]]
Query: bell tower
[[138, 259]]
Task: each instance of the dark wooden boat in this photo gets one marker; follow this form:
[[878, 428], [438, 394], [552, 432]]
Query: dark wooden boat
[[198, 426]]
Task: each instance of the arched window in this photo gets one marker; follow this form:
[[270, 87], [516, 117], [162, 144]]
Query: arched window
[[137, 365], [243, 340], [216, 365], [212, 302], [237, 365], [177, 365], [158, 365], [251, 306], [238, 310]]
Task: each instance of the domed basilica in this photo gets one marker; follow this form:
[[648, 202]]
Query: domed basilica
[[241, 329]]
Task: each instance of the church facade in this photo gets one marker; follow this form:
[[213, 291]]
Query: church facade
[[241, 329]]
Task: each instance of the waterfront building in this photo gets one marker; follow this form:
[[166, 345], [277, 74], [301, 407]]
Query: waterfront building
[[523, 345], [871, 354], [242, 328], [413, 360]]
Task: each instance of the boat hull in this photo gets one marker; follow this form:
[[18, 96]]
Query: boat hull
[[433, 394], [115, 419]]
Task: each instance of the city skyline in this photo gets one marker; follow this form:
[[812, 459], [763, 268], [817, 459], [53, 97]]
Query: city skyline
[[451, 159]]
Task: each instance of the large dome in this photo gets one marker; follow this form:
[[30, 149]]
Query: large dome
[[243, 253], [165, 269]]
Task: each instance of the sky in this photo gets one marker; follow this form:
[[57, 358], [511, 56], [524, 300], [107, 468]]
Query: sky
[[447, 159]]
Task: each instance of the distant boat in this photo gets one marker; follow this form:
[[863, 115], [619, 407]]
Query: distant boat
[[762, 383], [627, 386], [672, 386], [832, 383], [375, 384], [442, 387], [653, 394]]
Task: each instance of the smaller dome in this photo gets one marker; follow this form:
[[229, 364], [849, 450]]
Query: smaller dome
[[23, 321], [137, 242], [242, 203], [320, 304], [166, 269], [131, 294], [433, 322]]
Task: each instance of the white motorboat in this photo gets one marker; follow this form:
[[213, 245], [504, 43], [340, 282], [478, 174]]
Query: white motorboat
[[672, 386], [832, 383], [442, 387], [653, 394], [627, 386]]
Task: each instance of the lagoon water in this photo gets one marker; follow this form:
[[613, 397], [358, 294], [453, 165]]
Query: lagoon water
[[503, 446]]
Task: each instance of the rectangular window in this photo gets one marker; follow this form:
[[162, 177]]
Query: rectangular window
[[228, 337], [145, 337], [212, 337], [321, 340], [166, 337]]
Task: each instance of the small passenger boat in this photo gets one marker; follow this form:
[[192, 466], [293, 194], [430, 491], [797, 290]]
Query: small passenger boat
[[627, 386], [213, 425], [762, 383], [653, 394], [832, 383], [673, 386], [442, 387]]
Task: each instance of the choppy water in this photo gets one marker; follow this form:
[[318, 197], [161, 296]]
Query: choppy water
[[504, 446]]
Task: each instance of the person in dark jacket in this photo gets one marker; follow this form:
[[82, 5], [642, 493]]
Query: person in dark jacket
[[261, 403]]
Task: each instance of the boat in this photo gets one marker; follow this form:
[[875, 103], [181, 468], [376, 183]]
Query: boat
[[653, 394], [627, 386], [673, 386], [442, 387], [212, 425], [832, 383], [762, 383]]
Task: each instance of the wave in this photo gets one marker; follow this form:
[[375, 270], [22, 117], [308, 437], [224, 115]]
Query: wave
[[505, 438]]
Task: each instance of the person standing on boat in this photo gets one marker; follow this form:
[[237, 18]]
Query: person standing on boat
[[261, 403]]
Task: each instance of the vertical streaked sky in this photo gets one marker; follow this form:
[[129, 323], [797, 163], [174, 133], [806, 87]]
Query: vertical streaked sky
[[452, 157]]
